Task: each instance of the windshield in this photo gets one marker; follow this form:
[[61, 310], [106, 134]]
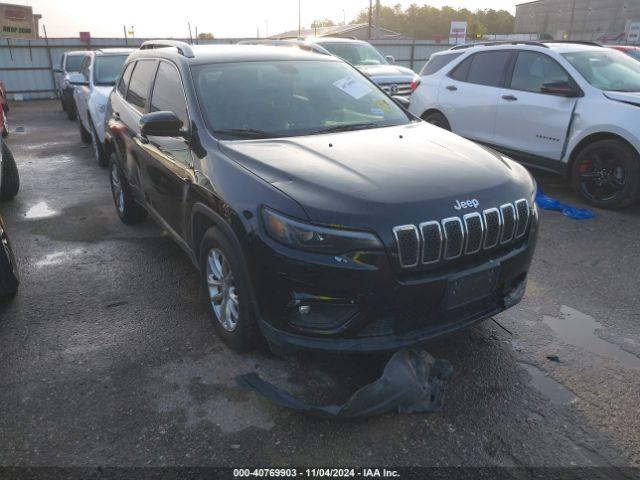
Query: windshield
[[633, 53], [107, 68], [289, 98], [607, 69], [74, 62], [355, 53]]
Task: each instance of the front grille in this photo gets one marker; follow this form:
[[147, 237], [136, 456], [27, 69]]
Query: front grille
[[454, 237], [403, 89]]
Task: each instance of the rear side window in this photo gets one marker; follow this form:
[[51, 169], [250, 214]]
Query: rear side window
[[437, 62], [168, 94], [461, 71], [532, 70], [487, 68], [140, 83], [124, 79]]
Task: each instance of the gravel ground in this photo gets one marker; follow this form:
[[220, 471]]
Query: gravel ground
[[107, 356]]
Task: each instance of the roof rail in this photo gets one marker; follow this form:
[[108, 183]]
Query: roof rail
[[301, 44], [498, 42], [578, 42], [183, 48]]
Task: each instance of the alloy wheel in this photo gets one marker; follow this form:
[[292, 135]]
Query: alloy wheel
[[222, 290], [602, 175]]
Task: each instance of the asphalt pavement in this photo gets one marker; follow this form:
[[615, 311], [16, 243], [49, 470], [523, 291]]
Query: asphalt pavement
[[107, 355]]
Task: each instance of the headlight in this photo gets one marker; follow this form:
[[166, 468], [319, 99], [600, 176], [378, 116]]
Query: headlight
[[303, 236]]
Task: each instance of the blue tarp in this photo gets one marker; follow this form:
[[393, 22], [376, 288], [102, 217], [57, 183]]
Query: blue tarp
[[548, 203]]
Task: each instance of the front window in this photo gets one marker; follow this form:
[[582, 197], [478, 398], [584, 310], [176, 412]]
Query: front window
[[607, 69], [356, 53], [107, 68], [74, 62], [290, 98]]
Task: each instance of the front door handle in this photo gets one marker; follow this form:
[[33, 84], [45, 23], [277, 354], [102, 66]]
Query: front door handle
[[452, 88], [509, 98]]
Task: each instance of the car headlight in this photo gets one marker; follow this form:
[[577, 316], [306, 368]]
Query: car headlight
[[303, 236]]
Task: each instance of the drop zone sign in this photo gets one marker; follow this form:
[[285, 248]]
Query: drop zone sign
[[16, 21], [458, 32]]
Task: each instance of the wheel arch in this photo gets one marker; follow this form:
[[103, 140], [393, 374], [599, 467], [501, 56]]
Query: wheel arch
[[202, 219], [429, 111], [590, 139]]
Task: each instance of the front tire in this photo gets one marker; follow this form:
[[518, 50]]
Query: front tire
[[129, 211], [85, 135], [606, 174], [99, 152], [437, 119], [226, 284], [9, 278], [10, 177]]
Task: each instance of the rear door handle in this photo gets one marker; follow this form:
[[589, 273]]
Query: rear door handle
[[509, 98], [452, 88]]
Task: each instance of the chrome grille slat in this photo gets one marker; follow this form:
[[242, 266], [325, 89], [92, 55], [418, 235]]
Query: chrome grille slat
[[434, 241], [474, 232], [522, 216], [493, 227], [405, 236], [453, 237], [431, 242], [508, 214]]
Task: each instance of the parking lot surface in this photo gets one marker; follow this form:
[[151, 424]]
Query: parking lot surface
[[107, 355]]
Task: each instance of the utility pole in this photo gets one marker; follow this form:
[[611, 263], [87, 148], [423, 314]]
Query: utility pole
[[370, 13], [378, 19]]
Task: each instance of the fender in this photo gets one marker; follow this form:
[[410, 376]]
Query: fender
[[581, 135]]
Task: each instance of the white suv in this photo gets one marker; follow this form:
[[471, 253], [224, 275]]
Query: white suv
[[93, 84], [571, 108]]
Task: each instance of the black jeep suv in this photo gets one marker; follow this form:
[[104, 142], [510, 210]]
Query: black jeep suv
[[320, 214]]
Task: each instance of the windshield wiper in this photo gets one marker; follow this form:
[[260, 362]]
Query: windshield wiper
[[346, 128], [245, 132]]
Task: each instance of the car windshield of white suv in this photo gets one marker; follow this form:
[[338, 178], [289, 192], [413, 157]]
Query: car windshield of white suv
[[290, 98], [73, 63], [107, 68], [607, 69], [355, 53]]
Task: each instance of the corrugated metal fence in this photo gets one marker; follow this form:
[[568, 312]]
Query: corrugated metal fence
[[26, 66]]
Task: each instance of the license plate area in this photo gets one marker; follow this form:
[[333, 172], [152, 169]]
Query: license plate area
[[471, 287]]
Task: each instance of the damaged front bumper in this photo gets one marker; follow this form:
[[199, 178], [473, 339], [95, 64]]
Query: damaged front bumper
[[366, 306]]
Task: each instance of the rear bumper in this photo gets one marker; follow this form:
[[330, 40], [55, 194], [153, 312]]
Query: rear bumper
[[373, 309]]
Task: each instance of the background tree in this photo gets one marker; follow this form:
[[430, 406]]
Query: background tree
[[205, 36], [425, 21]]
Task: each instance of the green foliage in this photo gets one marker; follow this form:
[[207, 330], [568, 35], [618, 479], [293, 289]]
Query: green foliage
[[431, 22]]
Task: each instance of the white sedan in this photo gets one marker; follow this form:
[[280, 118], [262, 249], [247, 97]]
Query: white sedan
[[93, 84]]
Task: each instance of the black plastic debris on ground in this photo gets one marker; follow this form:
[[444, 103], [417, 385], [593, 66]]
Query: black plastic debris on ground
[[412, 381]]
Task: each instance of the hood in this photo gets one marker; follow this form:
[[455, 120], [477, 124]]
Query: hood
[[375, 71], [383, 177], [625, 97], [102, 92]]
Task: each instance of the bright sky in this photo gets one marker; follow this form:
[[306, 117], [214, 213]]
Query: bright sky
[[224, 18]]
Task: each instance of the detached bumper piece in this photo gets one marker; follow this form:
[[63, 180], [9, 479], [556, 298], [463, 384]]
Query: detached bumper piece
[[412, 381]]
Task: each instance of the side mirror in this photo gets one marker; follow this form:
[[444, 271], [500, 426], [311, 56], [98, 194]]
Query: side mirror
[[562, 89], [391, 59], [77, 79], [161, 124], [404, 102], [57, 68]]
